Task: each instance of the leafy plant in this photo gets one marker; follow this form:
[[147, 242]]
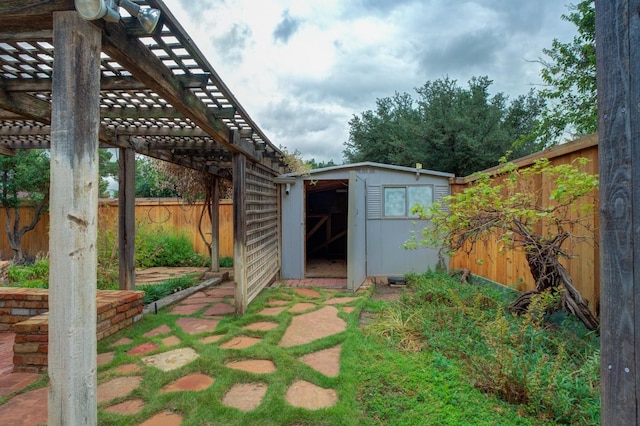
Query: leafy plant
[[35, 275], [551, 372], [154, 292], [506, 208], [160, 248], [226, 262]]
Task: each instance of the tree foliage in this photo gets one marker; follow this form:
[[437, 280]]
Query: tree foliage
[[509, 209], [569, 75], [446, 128], [23, 178]]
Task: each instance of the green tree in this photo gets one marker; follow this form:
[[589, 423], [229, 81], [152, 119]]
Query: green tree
[[569, 75], [508, 209], [447, 128], [313, 164], [150, 181], [23, 178]]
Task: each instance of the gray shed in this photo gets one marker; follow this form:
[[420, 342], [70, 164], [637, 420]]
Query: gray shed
[[351, 221]]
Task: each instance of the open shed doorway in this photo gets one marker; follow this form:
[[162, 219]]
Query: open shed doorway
[[326, 222]]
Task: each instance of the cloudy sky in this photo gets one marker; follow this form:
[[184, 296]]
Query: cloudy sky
[[303, 68]]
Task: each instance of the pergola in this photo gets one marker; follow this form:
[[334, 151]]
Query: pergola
[[71, 85]]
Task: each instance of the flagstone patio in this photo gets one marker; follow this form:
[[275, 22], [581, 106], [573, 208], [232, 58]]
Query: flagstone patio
[[315, 316]]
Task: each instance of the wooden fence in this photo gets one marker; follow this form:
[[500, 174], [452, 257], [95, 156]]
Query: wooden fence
[[168, 215], [510, 267]]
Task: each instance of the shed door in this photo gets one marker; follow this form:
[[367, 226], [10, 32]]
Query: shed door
[[356, 234]]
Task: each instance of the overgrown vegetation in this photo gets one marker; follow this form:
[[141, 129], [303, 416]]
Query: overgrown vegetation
[[547, 365], [35, 275], [510, 209], [154, 292]]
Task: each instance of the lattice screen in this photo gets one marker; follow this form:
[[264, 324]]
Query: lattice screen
[[262, 229]]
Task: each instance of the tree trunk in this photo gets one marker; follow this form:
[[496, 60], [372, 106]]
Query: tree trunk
[[549, 273]]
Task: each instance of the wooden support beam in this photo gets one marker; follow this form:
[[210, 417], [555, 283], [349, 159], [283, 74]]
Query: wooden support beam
[[74, 222], [240, 232], [9, 152], [189, 81], [618, 73], [27, 106], [215, 225], [151, 71], [127, 219]]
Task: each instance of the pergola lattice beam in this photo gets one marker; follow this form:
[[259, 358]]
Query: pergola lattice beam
[[150, 70]]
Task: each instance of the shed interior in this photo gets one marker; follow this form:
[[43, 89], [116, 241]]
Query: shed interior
[[326, 219]]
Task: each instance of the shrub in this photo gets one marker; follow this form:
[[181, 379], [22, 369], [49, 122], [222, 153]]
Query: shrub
[[154, 292], [156, 247], [31, 276], [226, 262], [547, 364]]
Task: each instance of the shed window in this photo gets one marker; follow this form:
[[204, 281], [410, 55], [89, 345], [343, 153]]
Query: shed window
[[398, 200]]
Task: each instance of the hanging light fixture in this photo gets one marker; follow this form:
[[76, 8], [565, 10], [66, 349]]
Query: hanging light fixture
[[108, 9]]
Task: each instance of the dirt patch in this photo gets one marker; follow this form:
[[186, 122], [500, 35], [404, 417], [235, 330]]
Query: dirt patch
[[381, 291]]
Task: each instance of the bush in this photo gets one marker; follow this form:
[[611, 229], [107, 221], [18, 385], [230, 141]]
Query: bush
[[548, 365], [226, 262], [158, 248], [31, 276], [154, 292]]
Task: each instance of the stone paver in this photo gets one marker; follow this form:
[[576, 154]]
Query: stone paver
[[256, 366], [122, 342], [245, 396], [27, 409], [278, 302], [132, 406], [221, 292], [163, 329], [165, 418], [301, 307], [261, 326], [196, 325], [128, 369], [348, 309], [307, 292], [240, 342], [304, 394], [171, 360], [105, 358], [220, 309], [340, 300], [118, 387], [188, 309], [193, 382], [171, 341], [315, 325], [272, 311], [212, 339], [326, 361], [142, 348]]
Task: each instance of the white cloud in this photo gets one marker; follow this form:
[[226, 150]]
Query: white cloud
[[302, 69]]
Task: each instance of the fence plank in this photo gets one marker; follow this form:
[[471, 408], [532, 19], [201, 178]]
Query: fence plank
[[167, 214]]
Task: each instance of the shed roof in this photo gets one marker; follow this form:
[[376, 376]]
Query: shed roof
[[367, 164], [159, 94]]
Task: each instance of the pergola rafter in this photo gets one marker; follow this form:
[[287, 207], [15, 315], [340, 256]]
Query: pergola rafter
[[72, 86]]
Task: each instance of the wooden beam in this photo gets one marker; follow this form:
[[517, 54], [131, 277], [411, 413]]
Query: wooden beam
[[190, 81], [151, 71], [27, 15], [9, 152], [127, 219], [27, 106], [74, 222], [618, 74], [215, 225], [240, 232]]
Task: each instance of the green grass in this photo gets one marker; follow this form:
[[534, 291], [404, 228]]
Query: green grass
[[202, 408], [426, 359]]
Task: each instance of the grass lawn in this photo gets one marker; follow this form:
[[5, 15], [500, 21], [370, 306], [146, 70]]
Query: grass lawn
[[435, 357]]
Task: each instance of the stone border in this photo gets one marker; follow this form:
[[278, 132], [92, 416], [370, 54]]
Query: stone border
[[173, 298]]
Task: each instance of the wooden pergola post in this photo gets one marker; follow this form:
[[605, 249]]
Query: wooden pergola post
[[215, 226], [127, 219], [240, 232], [74, 218], [618, 70]]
